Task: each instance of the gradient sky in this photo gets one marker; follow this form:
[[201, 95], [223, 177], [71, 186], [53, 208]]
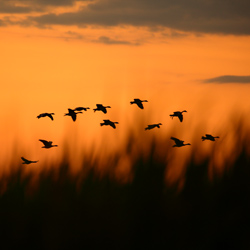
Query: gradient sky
[[59, 54]]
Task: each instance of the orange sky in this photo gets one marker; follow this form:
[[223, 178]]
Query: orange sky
[[59, 67]]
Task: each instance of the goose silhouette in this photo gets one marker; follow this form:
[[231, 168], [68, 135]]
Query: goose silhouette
[[151, 126], [138, 102], [46, 114], [72, 113], [178, 143], [178, 114], [25, 161], [81, 108], [110, 123], [100, 107], [47, 144], [209, 137]]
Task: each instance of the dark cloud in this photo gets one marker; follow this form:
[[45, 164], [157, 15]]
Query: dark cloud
[[228, 79], [54, 2], [206, 16], [9, 7], [109, 41], [27, 6]]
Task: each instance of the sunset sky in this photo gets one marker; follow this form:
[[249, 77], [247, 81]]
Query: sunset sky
[[60, 54]]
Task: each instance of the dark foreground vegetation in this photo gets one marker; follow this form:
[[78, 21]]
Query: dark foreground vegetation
[[92, 212], [102, 214]]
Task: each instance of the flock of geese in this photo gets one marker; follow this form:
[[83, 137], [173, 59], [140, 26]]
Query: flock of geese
[[99, 107]]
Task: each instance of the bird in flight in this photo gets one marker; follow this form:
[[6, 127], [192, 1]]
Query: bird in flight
[[47, 144], [110, 123], [25, 161], [178, 114], [100, 107], [72, 113], [138, 102], [46, 114], [209, 137], [179, 143], [151, 126], [81, 108]]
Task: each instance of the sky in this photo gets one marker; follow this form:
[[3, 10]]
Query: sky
[[178, 55]]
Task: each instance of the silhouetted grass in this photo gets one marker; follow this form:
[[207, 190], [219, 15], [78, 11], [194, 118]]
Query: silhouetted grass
[[89, 211]]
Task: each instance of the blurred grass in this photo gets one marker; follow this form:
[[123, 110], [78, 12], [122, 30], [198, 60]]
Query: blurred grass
[[93, 211]]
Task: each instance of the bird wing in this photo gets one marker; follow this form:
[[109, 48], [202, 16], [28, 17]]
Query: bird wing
[[44, 142], [112, 124], [25, 160], [180, 116], [50, 116], [73, 116], [208, 135], [140, 105]]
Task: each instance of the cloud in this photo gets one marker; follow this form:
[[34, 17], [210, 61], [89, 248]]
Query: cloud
[[2, 23], [109, 41], [73, 35], [27, 6], [206, 16], [10, 7], [228, 79]]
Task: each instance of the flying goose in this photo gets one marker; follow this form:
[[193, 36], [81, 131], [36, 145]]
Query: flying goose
[[178, 114], [46, 114], [47, 144], [100, 107], [179, 143], [138, 102], [209, 137], [81, 108], [151, 126], [110, 123], [72, 113], [25, 161]]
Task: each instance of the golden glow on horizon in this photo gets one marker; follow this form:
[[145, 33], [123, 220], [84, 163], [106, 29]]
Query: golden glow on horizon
[[42, 72]]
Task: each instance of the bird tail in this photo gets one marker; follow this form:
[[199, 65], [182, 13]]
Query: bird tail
[[102, 124], [203, 138], [131, 102]]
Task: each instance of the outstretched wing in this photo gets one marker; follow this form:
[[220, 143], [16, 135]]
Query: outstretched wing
[[112, 124], [139, 103], [180, 116], [50, 116], [44, 142], [25, 160], [73, 116]]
